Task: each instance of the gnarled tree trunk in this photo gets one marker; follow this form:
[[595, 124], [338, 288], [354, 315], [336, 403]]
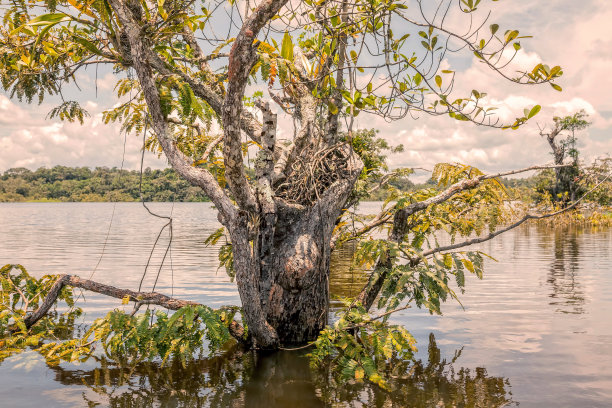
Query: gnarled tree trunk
[[288, 265]]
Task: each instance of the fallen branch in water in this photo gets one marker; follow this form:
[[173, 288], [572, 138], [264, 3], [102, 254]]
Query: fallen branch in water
[[140, 298]]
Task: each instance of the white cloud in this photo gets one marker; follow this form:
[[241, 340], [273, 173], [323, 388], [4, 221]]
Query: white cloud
[[575, 104], [28, 140]]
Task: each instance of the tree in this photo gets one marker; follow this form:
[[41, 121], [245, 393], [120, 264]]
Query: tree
[[565, 188], [193, 95]]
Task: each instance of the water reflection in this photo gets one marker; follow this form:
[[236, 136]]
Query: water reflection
[[284, 379], [520, 322], [346, 280], [567, 293]]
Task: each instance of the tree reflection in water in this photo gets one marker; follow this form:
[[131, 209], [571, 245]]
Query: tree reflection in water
[[284, 379], [567, 292]]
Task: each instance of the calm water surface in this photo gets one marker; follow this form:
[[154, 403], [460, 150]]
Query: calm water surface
[[536, 332]]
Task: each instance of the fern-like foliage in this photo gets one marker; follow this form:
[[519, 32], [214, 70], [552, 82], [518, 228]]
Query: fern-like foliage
[[70, 111], [20, 294], [125, 339], [359, 348]]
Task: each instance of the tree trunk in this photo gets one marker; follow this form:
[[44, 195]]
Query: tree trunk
[[296, 302], [288, 287], [283, 277]]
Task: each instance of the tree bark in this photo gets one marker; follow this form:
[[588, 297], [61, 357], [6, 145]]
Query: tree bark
[[296, 293]]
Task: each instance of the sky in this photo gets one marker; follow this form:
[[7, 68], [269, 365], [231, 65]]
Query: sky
[[575, 35]]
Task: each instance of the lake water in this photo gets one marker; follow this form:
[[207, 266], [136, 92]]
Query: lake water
[[536, 332]]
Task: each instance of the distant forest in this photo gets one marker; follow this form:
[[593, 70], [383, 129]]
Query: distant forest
[[62, 183]]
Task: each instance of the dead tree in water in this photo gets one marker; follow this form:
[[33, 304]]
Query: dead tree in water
[[565, 189]]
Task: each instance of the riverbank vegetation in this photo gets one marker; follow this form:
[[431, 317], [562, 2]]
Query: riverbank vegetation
[[82, 184]]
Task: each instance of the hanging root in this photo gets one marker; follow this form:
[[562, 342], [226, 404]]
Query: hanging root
[[312, 173]]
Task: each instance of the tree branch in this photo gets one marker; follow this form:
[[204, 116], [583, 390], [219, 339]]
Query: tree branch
[[153, 298], [403, 214], [370, 290], [181, 163], [242, 57], [379, 220], [512, 226]]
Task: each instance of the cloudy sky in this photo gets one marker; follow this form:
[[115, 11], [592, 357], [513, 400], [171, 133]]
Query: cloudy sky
[[575, 35]]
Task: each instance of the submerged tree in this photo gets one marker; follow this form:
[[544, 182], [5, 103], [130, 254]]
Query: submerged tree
[[190, 80], [566, 187]]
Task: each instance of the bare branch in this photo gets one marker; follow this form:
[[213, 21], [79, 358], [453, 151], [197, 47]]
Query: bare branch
[[379, 220], [196, 126], [512, 226], [511, 172], [212, 147], [377, 317]]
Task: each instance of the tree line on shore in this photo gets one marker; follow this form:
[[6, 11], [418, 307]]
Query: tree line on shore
[[102, 184], [81, 184]]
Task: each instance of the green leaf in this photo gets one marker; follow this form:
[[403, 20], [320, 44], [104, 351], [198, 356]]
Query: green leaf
[[417, 79], [468, 265], [45, 19], [534, 111], [439, 81], [556, 87], [333, 109], [287, 47], [511, 35], [87, 45]]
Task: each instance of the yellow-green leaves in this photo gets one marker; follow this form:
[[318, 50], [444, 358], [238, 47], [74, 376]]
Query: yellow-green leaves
[[365, 355], [556, 87], [333, 109], [47, 19], [511, 35], [287, 47], [70, 111], [439, 81], [418, 79], [470, 5], [534, 111], [88, 45], [20, 294]]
